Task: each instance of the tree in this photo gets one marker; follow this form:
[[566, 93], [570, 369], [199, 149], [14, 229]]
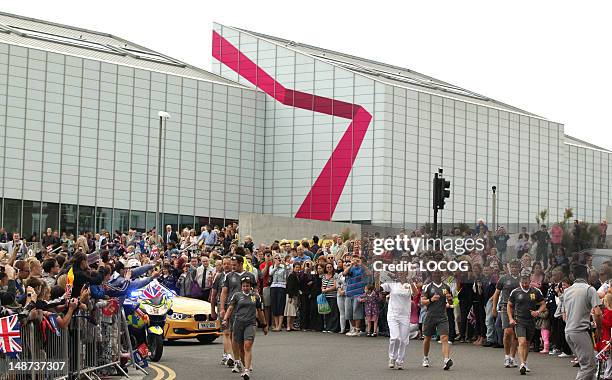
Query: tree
[[541, 216]]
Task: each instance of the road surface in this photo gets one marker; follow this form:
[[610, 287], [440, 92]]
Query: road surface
[[313, 355]]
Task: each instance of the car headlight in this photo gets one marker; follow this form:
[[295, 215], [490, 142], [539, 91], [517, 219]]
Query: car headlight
[[179, 316]]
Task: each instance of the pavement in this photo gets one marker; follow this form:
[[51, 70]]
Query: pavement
[[313, 355]]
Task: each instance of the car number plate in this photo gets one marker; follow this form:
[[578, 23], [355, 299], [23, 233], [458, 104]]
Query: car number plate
[[207, 325]]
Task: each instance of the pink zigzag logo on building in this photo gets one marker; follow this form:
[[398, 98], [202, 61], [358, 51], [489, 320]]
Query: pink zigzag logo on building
[[322, 199]]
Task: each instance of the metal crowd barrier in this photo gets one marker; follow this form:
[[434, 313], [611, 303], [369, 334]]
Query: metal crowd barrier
[[44, 354], [84, 350]]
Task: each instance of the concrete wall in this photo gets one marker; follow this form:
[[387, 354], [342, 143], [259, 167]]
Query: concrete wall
[[267, 228]]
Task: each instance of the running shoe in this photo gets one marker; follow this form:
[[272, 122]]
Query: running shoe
[[447, 364], [527, 368], [399, 365], [391, 363], [554, 351], [426, 362], [237, 367], [224, 360], [245, 374], [230, 361], [523, 369], [563, 355], [507, 362], [513, 363]]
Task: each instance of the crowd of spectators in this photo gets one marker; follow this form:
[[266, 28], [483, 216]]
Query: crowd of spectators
[[291, 275]]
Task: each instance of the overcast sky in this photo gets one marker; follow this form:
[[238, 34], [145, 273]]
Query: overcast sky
[[551, 58]]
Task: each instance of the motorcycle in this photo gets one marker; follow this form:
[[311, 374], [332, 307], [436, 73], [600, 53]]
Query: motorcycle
[[146, 311]]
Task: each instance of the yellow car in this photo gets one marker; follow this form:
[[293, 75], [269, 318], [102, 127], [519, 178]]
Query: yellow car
[[190, 319]]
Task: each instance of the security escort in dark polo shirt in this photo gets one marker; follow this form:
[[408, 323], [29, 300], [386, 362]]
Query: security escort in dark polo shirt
[[505, 285], [524, 304], [436, 296]]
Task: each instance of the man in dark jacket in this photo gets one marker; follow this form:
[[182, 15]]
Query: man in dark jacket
[[543, 239], [170, 236], [306, 283]]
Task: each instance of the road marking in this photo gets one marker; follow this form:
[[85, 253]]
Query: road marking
[[161, 371]]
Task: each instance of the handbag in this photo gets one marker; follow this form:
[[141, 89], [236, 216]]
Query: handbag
[[197, 289], [322, 305]]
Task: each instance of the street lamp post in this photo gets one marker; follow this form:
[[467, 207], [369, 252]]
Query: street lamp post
[[163, 115], [494, 188]]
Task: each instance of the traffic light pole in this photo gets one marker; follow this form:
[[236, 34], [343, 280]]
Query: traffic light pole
[[436, 188]]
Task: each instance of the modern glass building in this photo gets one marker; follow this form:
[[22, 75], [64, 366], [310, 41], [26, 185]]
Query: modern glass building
[[280, 128], [79, 134], [414, 124]]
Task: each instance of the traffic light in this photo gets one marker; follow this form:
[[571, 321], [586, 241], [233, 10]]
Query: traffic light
[[441, 191]]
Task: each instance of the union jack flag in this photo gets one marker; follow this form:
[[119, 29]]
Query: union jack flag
[[154, 251], [10, 339], [153, 290]]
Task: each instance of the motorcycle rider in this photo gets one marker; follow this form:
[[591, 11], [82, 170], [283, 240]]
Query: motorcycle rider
[[124, 280]]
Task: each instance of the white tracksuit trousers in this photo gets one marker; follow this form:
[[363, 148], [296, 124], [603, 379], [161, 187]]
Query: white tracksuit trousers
[[399, 336]]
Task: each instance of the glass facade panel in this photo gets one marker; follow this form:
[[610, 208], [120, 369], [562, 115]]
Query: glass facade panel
[[137, 220], [50, 216], [86, 219], [216, 222], [201, 221], [150, 220], [121, 220], [12, 215], [31, 220], [104, 219], [171, 219], [68, 219], [186, 222]]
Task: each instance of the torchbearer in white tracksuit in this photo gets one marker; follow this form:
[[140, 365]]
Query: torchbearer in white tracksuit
[[398, 318]]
